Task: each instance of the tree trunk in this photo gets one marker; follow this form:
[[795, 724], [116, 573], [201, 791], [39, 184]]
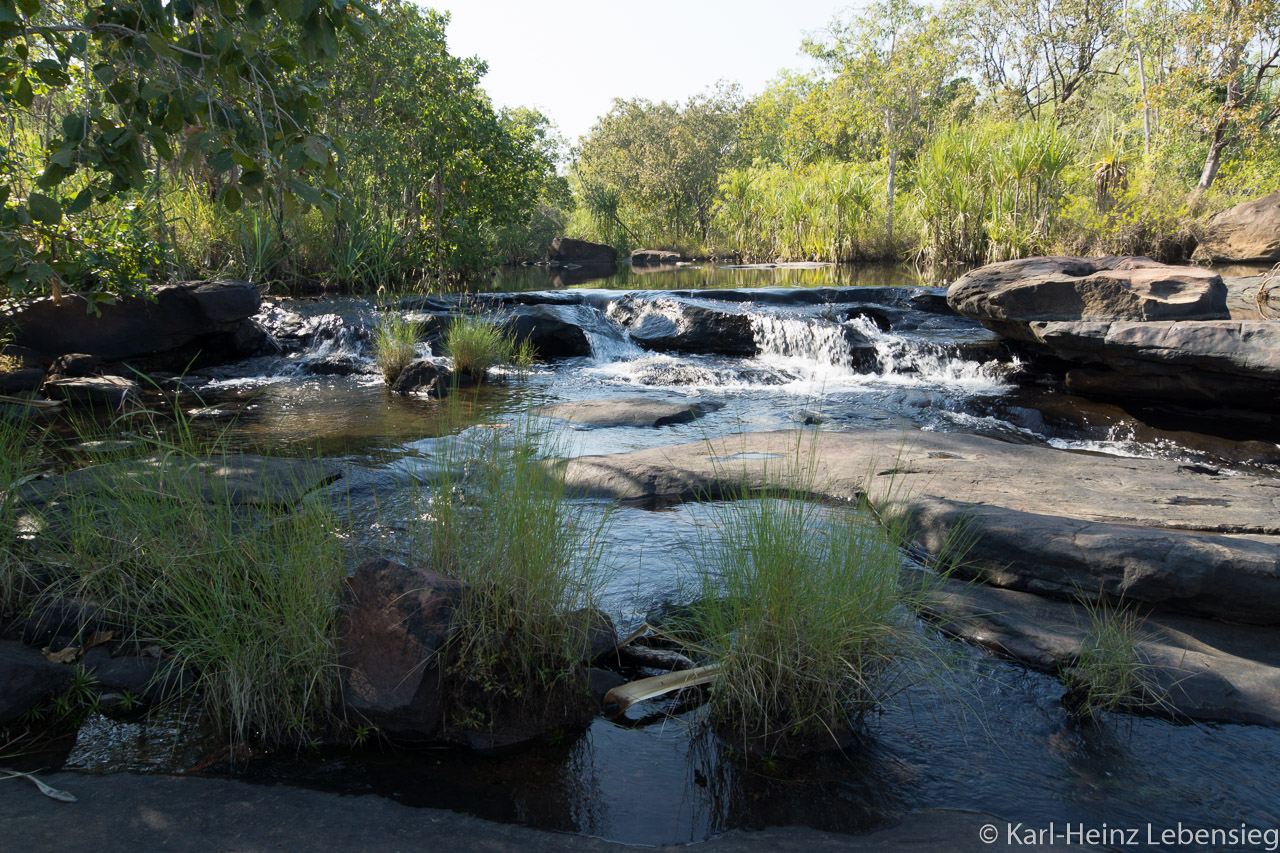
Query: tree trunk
[[893, 173]]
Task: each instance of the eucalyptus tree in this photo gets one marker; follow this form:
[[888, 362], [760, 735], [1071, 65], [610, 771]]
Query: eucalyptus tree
[[98, 95], [1042, 53], [891, 63]]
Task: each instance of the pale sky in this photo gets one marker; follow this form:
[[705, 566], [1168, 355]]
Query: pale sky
[[570, 58]]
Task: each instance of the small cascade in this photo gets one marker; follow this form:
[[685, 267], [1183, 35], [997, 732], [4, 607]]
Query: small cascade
[[901, 356], [794, 341]]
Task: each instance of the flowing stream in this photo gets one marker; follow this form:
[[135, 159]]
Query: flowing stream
[[987, 735]]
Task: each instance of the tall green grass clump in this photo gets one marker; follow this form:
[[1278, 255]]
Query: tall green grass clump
[[18, 454], [1109, 673], [807, 613], [477, 343], [394, 345], [500, 520], [244, 598]]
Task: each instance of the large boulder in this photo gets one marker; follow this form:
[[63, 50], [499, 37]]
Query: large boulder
[[394, 624], [1007, 296], [654, 258], [1213, 362], [1246, 233], [213, 316], [555, 331], [568, 250], [673, 325]]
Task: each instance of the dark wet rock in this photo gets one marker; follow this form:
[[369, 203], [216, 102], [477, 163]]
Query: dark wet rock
[[602, 681], [1246, 233], [206, 315], [883, 317], [598, 638], [430, 378], [1007, 296], [336, 365], [147, 676], [1195, 388], [654, 257], [629, 411], [1228, 577], [26, 678], [1250, 350], [22, 379], [74, 365], [242, 480], [1197, 669], [394, 623], [932, 300], [60, 617], [673, 325], [567, 250], [111, 392], [556, 332]]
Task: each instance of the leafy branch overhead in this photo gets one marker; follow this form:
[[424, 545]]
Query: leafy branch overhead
[[141, 84]]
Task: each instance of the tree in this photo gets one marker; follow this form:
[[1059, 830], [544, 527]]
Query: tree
[[891, 63], [108, 95], [1224, 80]]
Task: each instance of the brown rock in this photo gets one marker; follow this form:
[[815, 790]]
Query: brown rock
[[1005, 297], [567, 250], [1246, 233], [394, 623], [654, 257]]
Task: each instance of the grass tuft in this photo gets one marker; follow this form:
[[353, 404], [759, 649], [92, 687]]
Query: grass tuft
[[1109, 673], [477, 343], [806, 611], [500, 521], [394, 345]]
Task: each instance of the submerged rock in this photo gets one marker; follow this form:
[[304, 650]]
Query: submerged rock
[[112, 392], [629, 411]]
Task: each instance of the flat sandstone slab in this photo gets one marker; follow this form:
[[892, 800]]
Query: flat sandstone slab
[[629, 411]]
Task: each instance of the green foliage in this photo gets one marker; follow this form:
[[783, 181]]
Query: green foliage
[[395, 341], [1109, 672], [499, 519], [104, 95], [245, 601]]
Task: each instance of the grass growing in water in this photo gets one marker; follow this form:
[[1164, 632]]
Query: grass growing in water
[[18, 453], [243, 597], [394, 342], [477, 343], [1109, 673], [499, 520], [807, 612]]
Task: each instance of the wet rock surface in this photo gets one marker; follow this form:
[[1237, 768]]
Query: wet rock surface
[[1196, 669], [630, 411], [670, 325], [394, 623]]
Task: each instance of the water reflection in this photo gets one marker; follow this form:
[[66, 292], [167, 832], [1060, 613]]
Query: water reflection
[[690, 276]]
